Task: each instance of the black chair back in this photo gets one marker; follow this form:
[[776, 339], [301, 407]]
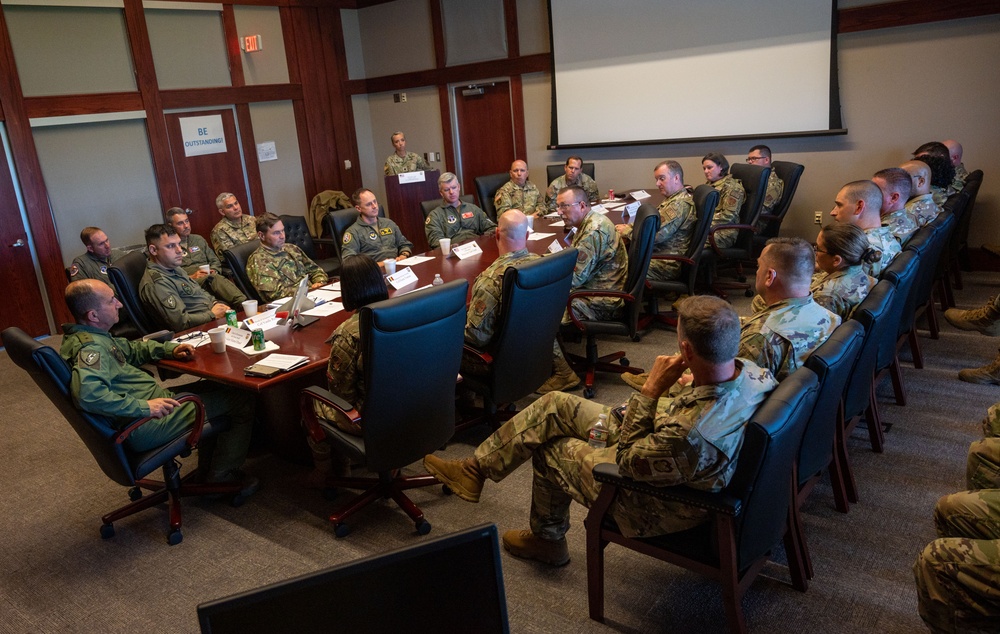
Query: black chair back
[[297, 233], [903, 273], [236, 259], [640, 250], [789, 173], [335, 224], [754, 180], [486, 189], [943, 227], [553, 172], [872, 313], [428, 206], [126, 274], [406, 419]]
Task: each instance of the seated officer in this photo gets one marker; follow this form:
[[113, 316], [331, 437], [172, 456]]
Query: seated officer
[[454, 219], [107, 381], [234, 228], [760, 155], [94, 264], [895, 184], [196, 253], [921, 204], [519, 193], [859, 203], [378, 238], [573, 177], [168, 292], [691, 436], [275, 268]]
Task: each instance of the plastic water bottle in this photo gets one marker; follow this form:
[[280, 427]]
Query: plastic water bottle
[[437, 280], [599, 433]]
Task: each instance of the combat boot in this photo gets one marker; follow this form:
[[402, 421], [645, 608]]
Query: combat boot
[[527, 545], [985, 319], [635, 381], [563, 377], [463, 477], [986, 375]]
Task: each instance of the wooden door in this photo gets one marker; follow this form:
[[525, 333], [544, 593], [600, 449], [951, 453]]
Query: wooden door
[[201, 178], [485, 131], [22, 303]]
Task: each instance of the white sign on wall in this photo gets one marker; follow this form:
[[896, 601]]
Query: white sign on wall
[[203, 135]]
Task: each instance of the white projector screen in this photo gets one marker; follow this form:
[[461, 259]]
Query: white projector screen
[[654, 71]]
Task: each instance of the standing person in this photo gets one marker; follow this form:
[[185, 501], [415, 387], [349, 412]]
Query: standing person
[[401, 161], [196, 253], [235, 227], [519, 193], [731, 197], [456, 220], [378, 238], [573, 177], [275, 268]]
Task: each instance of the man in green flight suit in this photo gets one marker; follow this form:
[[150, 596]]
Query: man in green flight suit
[[196, 254]]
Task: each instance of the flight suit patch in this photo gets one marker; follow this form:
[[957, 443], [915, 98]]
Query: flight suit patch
[[452, 219], [90, 358], [186, 288], [347, 238], [170, 302], [195, 249], [468, 214], [118, 354], [385, 231], [104, 270], [372, 235], [73, 270]]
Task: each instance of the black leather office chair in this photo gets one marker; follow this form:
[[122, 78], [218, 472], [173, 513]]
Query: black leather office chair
[[746, 520], [126, 274], [972, 184], [486, 189], [958, 205], [647, 222], [236, 259], [902, 273], [428, 206], [297, 233], [920, 303], [789, 173], [519, 359], [121, 464], [754, 179], [705, 200], [335, 224], [553, 172], [405, 416]]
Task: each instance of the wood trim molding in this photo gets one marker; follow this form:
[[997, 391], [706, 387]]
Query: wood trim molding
[[517, 111], [513, 35], [69, 105], [199, 97], [906, 12], [538, 63]]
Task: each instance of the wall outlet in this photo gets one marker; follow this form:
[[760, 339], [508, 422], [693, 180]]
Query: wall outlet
[[402, 97], [819, 218]]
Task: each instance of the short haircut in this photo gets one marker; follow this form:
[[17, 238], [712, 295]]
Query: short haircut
[[157, 231], [579, 193], [175, 211], [711, 326], [447, 177], [792, 258], [361, 283], [221, 198], [866, 191], [897, 180], [763, 149], [356, 196], [87, 234], [81, 298], [719, 160], [673, 168], [574, 158], [933, 148], [266, 221], [396, 133], [849, 242]]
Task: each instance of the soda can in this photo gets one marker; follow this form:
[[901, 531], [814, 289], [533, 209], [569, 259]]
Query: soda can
[[257, 336], [611, 194], [231, 318]]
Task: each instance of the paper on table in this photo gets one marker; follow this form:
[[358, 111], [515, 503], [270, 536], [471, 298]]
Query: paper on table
[[599, 208], [554, 214], [284, 361], [614, 206], [415, 259], [269, 346], [415, 290], [323, 310], [558, 223], [540, 236], [332, 286], [323, 296], [639, 195]]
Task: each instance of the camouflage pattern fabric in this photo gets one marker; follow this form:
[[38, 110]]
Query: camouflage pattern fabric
[[588, 184], [484, 303], [731, 197], [940, 195], [677, 219], [601, 264], [982, 468], [345, 375], [513, 196], [226, 234], [460, 224], [772, 196], [90, 267], [276, 274], [781, 336], [692, 438], [397, 164], [901, 224], [881, 239], [961, 175], [174, 298], [923, 208], [381, 241], [840, 292], [957, 588]]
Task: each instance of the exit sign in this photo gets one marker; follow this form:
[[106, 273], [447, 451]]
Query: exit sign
[[252, 44]]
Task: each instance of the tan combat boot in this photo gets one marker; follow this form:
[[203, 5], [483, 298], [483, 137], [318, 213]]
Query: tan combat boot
[[985, 319], [986, 375], [463, 477], [527, 545], [563, 377], [635, 381]]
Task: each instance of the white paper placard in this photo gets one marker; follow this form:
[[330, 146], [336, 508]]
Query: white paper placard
[[411, 177], [540, 236], [630, 210], [599, 208], [555, 247], [262, 321], [415, 259], [334, 286], [236, 337], [639, 195], [324, 309], [558, 223], [203, 135], [467, 250], [399, 279]]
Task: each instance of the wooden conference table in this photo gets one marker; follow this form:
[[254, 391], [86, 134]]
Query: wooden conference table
[[278, 402]]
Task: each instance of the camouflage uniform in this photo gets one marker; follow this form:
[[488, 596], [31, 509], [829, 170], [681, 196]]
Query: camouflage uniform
[[677, 220], [345, 374], [692, 438], [276, 274], [513, 196], [460, 224], [731, 197], [772, 196], [901, 223], [226, 235], [923, 208], [175, 299], [588, 184], [881, 239], [781, 336], [90, 267], [412, 162], [601, 265], [196, 253], [840, 292], [107, 382], [961, 175], [382, 240]]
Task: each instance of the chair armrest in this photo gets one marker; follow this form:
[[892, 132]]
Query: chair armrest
[[712, 230], [608, 473], [309, 418], [769, 217], [674, 258], [628, 297], [482, 355], [193, 436]]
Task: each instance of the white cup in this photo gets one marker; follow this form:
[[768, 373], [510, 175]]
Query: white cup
[[218, 337], [390, 266], [250, 307], [205, 268], [531, 222], [445, 244]]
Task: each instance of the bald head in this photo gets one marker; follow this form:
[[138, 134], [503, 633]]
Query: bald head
[[859, 203], [512, 231], [519, 172], [954, 150], [920, 176]]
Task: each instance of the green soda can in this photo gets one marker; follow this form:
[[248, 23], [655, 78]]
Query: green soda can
[[231, 318], [257, 336]]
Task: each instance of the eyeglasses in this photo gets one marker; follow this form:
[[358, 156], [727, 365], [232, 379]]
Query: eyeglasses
[[565, 206], [754, 159]]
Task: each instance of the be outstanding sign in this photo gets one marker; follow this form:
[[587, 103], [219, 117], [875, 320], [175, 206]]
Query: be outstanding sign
[[203, 135]]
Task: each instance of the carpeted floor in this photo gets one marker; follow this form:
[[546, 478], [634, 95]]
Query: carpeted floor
[[58, 575]]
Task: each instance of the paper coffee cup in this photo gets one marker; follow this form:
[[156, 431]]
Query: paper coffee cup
[[218, 337], [205, 268], [250, 307], [445, 244], [531, 223], [390, 266]]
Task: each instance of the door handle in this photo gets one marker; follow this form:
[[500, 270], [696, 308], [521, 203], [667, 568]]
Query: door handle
[[19, 243]]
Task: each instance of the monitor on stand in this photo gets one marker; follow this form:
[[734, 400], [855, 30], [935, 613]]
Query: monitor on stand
[[297, 305]]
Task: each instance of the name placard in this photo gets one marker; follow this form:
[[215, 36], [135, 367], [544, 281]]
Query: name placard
[[467, 250], [411, 177], [399, 279]]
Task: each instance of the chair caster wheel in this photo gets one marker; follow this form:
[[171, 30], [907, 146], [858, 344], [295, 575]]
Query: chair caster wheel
[[175, 537], [134, 493], [107, 531], [588, 392], [748, 293], [446, 489], [623, 361], [636, 338], [341, 530], [423, 527]]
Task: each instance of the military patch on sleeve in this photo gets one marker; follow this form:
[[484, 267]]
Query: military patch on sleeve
[[427, 221], [170, 302], [90, 358], [104, 270], [480, 307], [73, 270], [347, 238], [385, 231], [581, 256]]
